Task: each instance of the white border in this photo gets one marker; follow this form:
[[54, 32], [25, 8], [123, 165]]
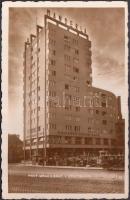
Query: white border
[[76, 4]]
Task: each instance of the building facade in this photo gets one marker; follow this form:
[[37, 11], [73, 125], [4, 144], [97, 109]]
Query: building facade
[[15, 149], [63, 112]]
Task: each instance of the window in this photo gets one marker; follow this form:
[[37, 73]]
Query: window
[[52, 104], [104, 131], [103, 104], [77, 108], [68, 127], [52, 83], [53, 52], [33, 64], [68, 107], [66, 86], [67, 68], [67, 97], [88, 83], [90, 120], [67, 57], [77, 128], [75, 78], [88, 141], [75, 69], [105, 141], [76, 119], [66, 37], [52, 126], [90, 111], [52, 42], [89, 129], [67, 47], [52, 93], [104, 113], [53, 62], [33, 130], [68, 100], [97, 111], [103, 95], [52, 32], [39, 128], [53, 73], [76, 89], [52, 115], [75, 61], [78, 140], [76, 51], [104, 122], [76, 101], [75, 42], [68, 140], [113, 142], [98, 141], [68, 117]]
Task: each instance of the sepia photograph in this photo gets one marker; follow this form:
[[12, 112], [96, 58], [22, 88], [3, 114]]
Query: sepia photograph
[[65, 100]]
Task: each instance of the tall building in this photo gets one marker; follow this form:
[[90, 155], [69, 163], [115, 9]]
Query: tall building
[[63, 112]]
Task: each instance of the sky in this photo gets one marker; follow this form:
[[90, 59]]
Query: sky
[[106, 30]]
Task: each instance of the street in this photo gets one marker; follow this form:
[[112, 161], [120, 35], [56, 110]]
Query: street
[[34, 179]]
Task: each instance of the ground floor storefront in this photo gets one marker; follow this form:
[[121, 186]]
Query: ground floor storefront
[[68, 156]]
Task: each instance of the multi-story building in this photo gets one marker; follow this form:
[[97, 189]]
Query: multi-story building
[[63, 112]]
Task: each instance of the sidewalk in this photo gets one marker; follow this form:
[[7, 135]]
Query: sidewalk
[[47, 166]]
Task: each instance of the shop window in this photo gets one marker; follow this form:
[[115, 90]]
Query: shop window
[[88, 141], [113, 142], [105, 141], [78, 140], [98, 141]]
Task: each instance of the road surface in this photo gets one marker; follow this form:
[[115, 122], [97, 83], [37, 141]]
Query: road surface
[[36, 179]]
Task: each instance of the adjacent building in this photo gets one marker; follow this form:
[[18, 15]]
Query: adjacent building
[[63, 112], [15, 149]]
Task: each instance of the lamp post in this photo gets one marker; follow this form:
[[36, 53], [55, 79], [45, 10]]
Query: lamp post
[[44, 148]]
